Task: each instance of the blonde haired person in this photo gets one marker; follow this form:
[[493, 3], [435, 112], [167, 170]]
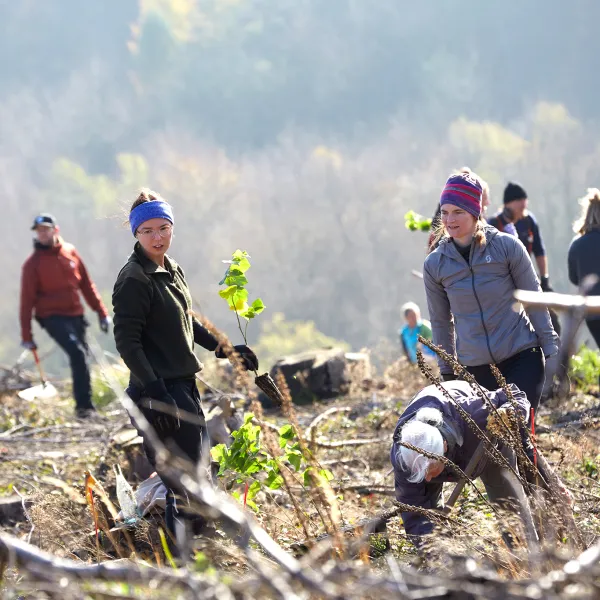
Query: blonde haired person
[[485, 202], [470, 278], [155, 334], [584, 252]]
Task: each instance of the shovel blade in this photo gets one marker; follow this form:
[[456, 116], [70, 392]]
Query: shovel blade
[[45, 390]]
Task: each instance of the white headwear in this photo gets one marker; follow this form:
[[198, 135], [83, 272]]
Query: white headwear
[[421, 432]]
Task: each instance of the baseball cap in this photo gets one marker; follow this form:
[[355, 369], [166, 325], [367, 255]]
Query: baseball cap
[[44, 219]]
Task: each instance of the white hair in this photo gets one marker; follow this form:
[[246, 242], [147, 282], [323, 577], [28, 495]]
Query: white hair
[[421, 432], [412, 306]]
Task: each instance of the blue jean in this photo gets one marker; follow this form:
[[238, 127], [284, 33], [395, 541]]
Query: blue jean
[[69, 334]]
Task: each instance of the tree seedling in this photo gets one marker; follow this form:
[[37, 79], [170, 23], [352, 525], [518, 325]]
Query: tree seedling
[[416, 222], [249, 464], [236, 295], [235, 291]]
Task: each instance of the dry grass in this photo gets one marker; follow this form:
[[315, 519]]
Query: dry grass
[[63, 523]]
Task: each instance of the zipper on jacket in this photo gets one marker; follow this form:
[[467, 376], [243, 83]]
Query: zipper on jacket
[[487, 337]]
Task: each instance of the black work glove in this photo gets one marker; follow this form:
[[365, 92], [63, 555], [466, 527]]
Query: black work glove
[[165, 423], [448, 376], [545, 283], [249, 360]]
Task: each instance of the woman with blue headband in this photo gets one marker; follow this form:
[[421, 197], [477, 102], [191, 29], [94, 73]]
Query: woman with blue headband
[[155, 331]]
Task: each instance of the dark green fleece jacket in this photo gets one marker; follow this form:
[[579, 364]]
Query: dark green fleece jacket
[[153, 324]]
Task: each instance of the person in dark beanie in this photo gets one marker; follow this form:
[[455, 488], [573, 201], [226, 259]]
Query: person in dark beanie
[[155, 332], [515, 219], [584, 253], [52, 279], [470, 279], [528, 231]]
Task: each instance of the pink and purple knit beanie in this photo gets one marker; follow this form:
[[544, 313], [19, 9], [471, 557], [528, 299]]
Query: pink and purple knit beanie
[[463, 190]]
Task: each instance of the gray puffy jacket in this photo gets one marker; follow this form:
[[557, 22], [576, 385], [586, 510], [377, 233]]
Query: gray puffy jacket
[[476, 302]]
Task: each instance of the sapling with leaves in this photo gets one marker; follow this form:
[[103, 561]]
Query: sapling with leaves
[[236, 295], [416, 222], [248, 462]]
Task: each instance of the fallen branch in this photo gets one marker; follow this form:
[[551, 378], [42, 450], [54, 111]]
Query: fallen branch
[[215, 505], [320, 418], [359, 442], [44, 566]]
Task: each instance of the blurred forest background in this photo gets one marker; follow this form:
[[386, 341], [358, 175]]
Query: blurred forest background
[[298, 130]]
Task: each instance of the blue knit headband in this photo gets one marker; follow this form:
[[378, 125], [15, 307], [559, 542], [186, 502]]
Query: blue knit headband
[[156, 209]]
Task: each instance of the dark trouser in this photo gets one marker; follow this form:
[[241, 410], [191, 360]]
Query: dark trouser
[[594, 327], [187, 441], [525, 369], [504, 489], [69, 334]]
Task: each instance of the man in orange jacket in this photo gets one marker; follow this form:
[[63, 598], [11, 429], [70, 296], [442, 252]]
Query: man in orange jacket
[[51, 281]]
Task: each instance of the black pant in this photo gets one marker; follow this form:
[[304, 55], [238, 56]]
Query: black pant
[[504, 488], [525, 369], [594, 327], [187, 441], [69, 334]]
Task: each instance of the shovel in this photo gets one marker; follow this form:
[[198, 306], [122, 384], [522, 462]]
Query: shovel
[[45, 390], [469, 470]]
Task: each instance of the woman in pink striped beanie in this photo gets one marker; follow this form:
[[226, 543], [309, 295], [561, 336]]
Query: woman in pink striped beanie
[[470, 279]]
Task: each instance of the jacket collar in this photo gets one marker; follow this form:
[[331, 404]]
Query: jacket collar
[[149, 266], [448, 248], [54, 249]]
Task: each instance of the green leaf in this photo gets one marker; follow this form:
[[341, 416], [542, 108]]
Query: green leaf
[[416, 222], [238, 280], [239, 254], [252, 505], [229, 291], [234, 271], [258, 306], [247, 314], [295, 459], [326, 474], [286, 432], [251, 467], [307, 477], [274, 481], [253, 489], [243, 265], [219, 452], [240, 295]]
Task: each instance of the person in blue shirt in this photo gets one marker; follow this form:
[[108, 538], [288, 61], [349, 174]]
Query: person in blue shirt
[[414, 327]]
